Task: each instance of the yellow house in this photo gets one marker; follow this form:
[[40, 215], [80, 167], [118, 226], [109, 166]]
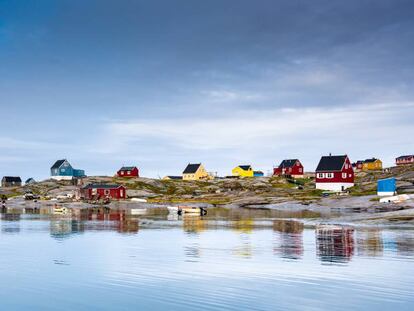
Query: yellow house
[[372, 164], [243, 171], [195, 172]]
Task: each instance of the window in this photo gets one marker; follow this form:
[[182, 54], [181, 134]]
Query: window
[[300, 170], [128, 172], [122, 172], [321, 175], [346, 166], [344, 175], [107, 192], [329, 175]]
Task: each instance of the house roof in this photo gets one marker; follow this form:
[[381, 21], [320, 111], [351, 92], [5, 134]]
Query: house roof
[[331, 163], [102, 186], [245, 167], [58, 164], [288, 163], [12, 179], [29, 180], [370, 160], [192, 168], [127, 168], [175, 177], [405, 156]]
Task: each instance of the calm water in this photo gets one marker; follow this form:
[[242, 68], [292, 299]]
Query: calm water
[[111, 262]]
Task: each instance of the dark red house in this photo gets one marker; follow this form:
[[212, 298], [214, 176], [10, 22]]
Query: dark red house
[[103, 191], [128, 171], [291, 167], [405, 159], [334, 173], [358, 165]]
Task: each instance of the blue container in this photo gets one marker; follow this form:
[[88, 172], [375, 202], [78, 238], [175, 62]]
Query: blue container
[[387, 186]]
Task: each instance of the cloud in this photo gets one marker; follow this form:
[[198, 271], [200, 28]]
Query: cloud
[[252, 129]]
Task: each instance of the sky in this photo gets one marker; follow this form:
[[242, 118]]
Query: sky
[[159, 84]]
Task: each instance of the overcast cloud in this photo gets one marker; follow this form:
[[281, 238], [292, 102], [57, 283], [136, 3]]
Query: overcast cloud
[[163, 83]]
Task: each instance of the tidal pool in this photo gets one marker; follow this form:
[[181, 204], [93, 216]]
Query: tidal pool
[[173, 263]]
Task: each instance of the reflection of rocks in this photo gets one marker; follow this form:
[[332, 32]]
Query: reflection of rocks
[[369, 243], [289, 242], [129, 226], [334, 243], [288, 226], [405, 244]]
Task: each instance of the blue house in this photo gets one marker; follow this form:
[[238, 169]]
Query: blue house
[[63, 170], [386, 187], [258, 174]]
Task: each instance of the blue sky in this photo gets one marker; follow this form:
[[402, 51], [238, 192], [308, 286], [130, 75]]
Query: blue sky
[[159, 84]]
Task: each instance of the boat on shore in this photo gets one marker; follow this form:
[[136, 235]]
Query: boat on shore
[[191, 210]]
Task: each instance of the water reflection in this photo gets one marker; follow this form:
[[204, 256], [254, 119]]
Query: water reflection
[[334, 243], [289, 238], [370, 243]]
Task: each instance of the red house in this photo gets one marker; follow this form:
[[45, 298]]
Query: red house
[[358, 165], [103, 191], [406, 159], [291, 167], [334, 173], [128, 171]]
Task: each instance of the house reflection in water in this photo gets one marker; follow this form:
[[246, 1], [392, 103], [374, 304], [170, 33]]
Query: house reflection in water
[[334, 243], [369, 243], [95, 219], [193, 223], [405, 244], [289, 238], [10, 223]]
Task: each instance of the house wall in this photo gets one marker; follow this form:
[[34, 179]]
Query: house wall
[[333, 186], [238, 171], [368, 166], [115, 193]]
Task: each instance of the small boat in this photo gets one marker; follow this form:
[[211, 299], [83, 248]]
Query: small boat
[[172, 209], [192, 210], [138, 211]]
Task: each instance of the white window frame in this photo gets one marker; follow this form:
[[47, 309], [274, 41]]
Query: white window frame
[[321, 175], [330, 175], [344, 175], [128, 172], [107, 192]]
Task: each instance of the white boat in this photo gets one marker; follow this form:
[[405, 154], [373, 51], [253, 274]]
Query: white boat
[[138, 211], [60, 210], [172, 209], [395, 199]]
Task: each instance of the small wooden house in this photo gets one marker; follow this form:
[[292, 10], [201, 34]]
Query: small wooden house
[[258, 174], [243, 171], [404, 160], [63, 170], [334, 173], [128, 171], [358, 165], [11, 181], [372, 164], [103, 191], [30, 181], [195, 172], [289, 167]]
